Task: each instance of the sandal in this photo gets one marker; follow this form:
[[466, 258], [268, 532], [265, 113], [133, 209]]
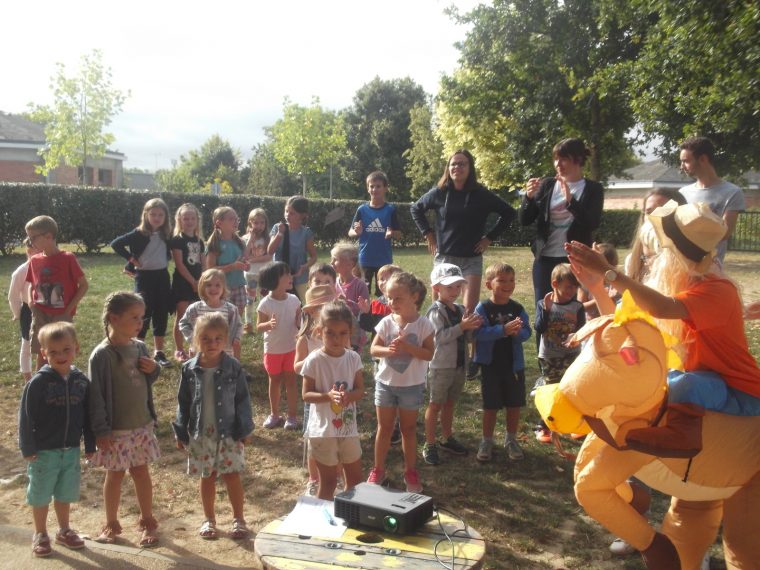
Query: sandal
[[208, 530], [148, 526], [239, 530], [109, 532]]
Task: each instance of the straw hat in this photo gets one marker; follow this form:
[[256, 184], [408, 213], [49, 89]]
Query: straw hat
[[319, 295], [693, 231]]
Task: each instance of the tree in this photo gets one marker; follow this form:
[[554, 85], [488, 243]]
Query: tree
[[307, 140], [75, 123], [532, 73], [214, 162], [267, 176], [698, 73], [425, 160], [377, 126]]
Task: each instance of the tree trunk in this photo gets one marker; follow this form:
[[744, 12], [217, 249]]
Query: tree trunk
[[596, 161]]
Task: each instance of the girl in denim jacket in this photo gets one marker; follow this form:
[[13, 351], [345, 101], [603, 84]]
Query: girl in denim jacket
[[214, 421]]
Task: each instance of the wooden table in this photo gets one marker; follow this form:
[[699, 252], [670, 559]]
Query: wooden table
[[365, 548]]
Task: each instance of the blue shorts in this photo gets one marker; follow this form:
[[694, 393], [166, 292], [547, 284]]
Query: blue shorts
[[404, 397], [54, 474], [469, 265]]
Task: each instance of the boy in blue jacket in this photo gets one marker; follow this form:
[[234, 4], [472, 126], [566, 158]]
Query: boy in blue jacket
[[499, 351], [53, 418]]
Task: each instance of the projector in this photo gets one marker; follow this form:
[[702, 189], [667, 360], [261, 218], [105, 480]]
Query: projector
[[378, 507]]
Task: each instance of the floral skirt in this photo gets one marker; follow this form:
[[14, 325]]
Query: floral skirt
[[131, 448], [209, 454]]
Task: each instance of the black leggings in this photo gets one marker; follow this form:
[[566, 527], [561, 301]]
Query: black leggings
[[154, 287]]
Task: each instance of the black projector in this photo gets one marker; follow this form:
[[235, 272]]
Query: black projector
[[390, 510]]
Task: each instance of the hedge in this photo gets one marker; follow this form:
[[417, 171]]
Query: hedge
[[92, 217]]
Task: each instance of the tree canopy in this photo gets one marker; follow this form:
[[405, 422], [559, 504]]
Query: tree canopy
[[214, 162], [83, 106]]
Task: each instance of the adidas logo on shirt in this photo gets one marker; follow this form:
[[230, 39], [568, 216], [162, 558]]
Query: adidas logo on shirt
[[375, 226]]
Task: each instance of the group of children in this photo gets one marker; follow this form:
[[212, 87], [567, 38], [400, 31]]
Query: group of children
[[322, 340]]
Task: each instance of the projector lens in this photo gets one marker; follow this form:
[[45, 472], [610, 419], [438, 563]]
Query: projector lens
[[390, 524]]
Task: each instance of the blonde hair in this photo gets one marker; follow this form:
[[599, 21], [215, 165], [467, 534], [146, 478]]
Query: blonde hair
[[43, 224], [214, 244], [209, 321], [389, 269], [118, 303], [206, 277], [258, 213], [178, 214], [415, 287], [56, 331], [345, 249], [562, 272], [493, 270], [165, 231]]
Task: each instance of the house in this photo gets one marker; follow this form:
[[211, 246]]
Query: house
[[629, 191], [22, 139]]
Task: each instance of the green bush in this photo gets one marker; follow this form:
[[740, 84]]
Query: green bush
[[92, 217]]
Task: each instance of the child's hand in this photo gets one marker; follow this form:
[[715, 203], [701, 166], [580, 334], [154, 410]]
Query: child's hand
[[146, 365], [471, 322], [363, 305], [548, 300], [281, 228], [389, 233], [179, 444], [336, 396], [240, 264], [105, 443], [358, 229], [512, 328], [30, 458], [273, 323]]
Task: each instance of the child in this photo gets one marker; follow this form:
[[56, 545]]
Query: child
[[404, 344], [278, 317], [558, 316], [375, 224], [146, 247], [211, 288], [56, 280], [50, 429], [19, 299], [344, 257], [122, 413], [373, 312], [332, 384], [214, 421], [499, 351], [447, 368], [307, 342], [187, 249], [225, 251], [256, 242], [293, 242], [323, 274], [585, 297]]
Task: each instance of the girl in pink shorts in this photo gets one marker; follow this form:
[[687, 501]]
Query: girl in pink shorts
[[278, 317]]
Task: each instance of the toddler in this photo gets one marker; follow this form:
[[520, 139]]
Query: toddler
[[225, 252], [50, 430], [404, 345], [332, 384], [214, 421], [278, 317]]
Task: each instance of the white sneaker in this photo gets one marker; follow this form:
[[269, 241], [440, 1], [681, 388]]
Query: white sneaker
[[485, 450], [620, 547]]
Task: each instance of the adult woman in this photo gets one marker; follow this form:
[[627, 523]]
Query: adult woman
[[566, 207], [461, 206]]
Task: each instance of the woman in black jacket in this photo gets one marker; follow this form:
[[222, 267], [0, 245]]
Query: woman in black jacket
[[565, 207], [461, 207]]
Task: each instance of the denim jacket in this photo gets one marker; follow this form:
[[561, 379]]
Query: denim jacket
[[233, 414], [487, 335]]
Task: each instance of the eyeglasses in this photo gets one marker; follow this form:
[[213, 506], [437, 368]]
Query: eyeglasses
[[457, 164]]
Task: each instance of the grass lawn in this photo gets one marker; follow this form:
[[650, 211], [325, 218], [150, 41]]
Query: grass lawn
[[526, 510]]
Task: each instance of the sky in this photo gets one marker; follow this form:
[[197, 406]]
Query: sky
[[223, 67]]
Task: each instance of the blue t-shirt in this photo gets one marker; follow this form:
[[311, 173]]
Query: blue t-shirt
[[230, 252], [374, 249], [298, 253]]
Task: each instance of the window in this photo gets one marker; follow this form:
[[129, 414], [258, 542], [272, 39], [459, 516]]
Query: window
[[105, 177]]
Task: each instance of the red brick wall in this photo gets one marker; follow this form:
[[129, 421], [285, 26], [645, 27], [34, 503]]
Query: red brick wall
[[19, 171]]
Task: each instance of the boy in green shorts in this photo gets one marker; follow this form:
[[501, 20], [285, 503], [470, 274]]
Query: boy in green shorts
[[52, 420]]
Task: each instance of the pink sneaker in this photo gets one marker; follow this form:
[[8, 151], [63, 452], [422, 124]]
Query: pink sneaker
[[272, 422], [376, 476], [412, 480]]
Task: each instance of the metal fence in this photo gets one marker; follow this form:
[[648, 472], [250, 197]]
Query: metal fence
[[746, 236]]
